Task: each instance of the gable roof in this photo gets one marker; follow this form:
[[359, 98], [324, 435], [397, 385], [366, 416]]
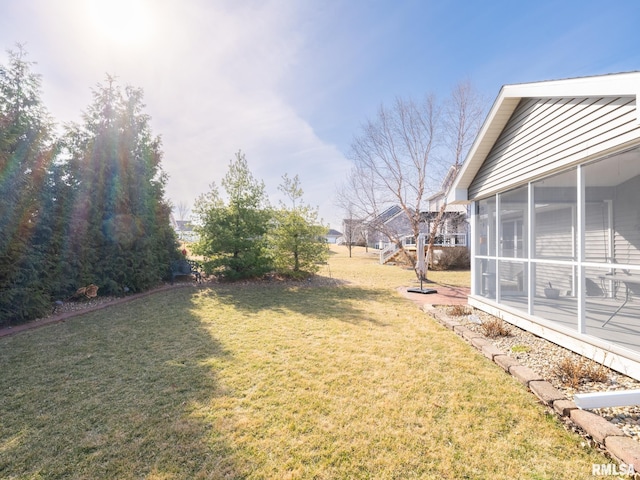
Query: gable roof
[[508, 99], [389, 214]]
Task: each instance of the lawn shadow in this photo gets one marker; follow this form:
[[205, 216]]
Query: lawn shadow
[[115, 394], [331, 299]]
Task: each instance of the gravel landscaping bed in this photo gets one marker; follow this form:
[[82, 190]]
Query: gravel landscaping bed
[[544, 357]]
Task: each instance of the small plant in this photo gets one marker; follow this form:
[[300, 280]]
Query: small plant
[[573, 372], [494, 328], [459, 311], [521, 349]]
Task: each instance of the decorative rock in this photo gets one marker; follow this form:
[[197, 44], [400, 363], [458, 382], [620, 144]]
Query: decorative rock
[[564, 407], [491, 351], [460, 330], [470, 334], [505, 361], [480, 342]]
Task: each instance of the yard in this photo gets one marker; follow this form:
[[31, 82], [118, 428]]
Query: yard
[[339, 377]]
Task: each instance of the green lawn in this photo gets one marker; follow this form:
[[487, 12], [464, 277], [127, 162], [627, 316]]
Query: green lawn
[[270, 381]]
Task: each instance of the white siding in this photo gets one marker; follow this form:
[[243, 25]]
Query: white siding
[[627, 223], [546, 134]]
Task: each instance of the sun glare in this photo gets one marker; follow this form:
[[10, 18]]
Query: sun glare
[[121, 21]]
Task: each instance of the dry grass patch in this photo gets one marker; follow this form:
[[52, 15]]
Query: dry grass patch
[[270, 381], [575, 371], [459, 311], [494, 328]]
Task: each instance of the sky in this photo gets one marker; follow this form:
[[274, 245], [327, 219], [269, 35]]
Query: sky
[[291, 82]]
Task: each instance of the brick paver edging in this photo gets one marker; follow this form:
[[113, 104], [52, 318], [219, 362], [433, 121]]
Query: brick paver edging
[[620, 446]]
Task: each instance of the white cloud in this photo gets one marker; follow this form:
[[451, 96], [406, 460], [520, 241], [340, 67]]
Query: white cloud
[[212, 74]]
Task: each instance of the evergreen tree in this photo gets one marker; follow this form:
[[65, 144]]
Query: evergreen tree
[[119, 230], [297, 239], [232, 233], [25, 152]]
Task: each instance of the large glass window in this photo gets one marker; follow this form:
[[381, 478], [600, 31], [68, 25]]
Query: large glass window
[[555, 294], [513, 284], [486, 277], [612, 191]]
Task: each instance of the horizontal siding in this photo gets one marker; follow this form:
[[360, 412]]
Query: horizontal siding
[[544, 135], [627, 223], [596, 234], [554, 236]]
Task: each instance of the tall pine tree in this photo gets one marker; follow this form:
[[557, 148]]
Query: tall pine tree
[[119, 231], [25, 152]]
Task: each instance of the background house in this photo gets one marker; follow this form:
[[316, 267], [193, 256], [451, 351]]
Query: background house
[[383, 231], [553, 182], [184, 230], [333, 236]]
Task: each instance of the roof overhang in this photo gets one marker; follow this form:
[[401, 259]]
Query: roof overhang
[[620, 84]]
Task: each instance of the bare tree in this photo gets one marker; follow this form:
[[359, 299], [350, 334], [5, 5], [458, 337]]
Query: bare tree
[[401, 157], [391, 158], [462, 114], [352, 226], [183, 210]]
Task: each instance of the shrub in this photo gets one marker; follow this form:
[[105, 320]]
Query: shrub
[[494, 328], [459, 311], [451, 259], [573, 372]]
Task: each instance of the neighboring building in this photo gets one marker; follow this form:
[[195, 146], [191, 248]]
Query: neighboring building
[[391, 221], [333, 236], [184, 230], [452, 231], [355, 232], [553, 182]]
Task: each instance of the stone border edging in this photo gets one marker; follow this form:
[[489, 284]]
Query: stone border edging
[[620, 446]]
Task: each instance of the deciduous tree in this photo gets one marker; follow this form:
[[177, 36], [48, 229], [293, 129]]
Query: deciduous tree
[[401, 157]]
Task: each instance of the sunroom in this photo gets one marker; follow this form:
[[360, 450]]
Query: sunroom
[[554, 183]]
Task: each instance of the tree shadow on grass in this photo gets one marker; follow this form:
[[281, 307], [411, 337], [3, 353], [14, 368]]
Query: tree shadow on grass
[[332, 300], [120, 393]]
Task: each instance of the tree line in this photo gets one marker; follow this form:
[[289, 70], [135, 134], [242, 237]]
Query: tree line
[[81, 207], [87, 206]]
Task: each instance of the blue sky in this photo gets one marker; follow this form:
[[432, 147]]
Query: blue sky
[[290, 82]]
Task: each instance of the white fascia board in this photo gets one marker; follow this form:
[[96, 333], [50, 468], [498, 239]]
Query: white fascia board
[[619, 84], [496, 120], [458, 196]]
